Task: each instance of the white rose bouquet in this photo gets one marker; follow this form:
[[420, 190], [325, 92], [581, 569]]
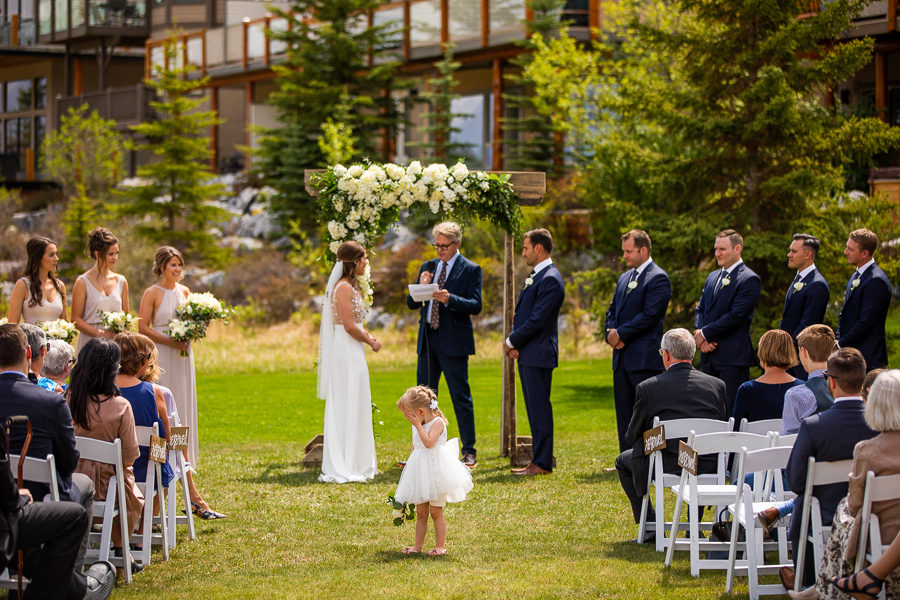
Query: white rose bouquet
[[60, 329], [117, 322], [193, 317]]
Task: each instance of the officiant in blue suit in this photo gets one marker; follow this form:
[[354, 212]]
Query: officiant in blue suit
[[446, 337], [807, 297], [533, 341], [634, 325], [723, 316]]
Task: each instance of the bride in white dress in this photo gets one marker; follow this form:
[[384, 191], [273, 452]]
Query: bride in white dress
[[349, 448]]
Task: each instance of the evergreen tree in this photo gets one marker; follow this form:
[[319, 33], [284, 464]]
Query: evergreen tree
[[326, 67], [529, 141], [440, 146], [698, 116], [176, 197]]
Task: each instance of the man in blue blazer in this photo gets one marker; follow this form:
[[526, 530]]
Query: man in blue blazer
[[634, 325], [828, 436], [723, 316], [807, 297], [533, 342], [866, 302], [446, 337]]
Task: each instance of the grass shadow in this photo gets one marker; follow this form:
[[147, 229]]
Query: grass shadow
[[289, 474], [597, 477], [397, 556]]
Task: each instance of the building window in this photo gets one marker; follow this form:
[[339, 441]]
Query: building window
[[24, 121], [18, 95]]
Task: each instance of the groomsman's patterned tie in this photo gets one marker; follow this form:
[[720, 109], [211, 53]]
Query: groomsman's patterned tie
[[435, 318]]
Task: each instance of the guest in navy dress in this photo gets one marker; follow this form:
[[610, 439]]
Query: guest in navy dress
[[139, 357], [763, 398]]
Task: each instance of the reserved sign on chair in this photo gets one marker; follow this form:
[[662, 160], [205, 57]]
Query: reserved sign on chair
[[157, 449], [654, 439], [687, 458], [178, 438]]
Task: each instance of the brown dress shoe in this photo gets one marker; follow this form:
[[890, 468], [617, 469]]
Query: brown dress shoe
[[530, 470], [767, 518], [787, 577]]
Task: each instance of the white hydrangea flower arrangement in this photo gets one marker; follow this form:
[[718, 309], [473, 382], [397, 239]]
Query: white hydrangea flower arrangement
[[117, 322], [194, 316], [60, 329]]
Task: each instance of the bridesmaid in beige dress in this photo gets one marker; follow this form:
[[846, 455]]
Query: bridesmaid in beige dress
[[157, 310], [40, 295], [99, 288]]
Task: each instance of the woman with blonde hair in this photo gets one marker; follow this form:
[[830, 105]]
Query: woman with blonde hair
[[99, 288], [39, 295]]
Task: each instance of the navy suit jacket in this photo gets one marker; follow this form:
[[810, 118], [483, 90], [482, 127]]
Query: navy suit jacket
[[806, 307], [828, 436], [534, 332], [637, 316], [455, 332], [53, 432], [861, 324], [725, 317]]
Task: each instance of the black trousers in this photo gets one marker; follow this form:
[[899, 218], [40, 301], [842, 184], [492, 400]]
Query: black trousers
[[432, 362], [624, 384], [536, 383], [59, 527]]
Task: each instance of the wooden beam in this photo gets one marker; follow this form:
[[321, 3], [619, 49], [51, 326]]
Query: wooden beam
[[78, 76], [244, 41], [881, 86], [29, 164], [485, 23], [406, 30], [497, 129], [214, 131], [508, 423], [594, 9], [445, 24], [892, 15]]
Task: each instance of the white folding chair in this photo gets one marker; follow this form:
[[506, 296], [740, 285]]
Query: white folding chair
[[717, 494], [659, 479], [762, 464], [761, 427], [878, 489], [39, 471], [821, 473], [109, 453], [180, 468], [150, 487]]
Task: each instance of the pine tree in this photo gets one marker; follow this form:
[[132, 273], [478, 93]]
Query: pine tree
[[176, 197], [529, 140], [440, 117], [327, 58]]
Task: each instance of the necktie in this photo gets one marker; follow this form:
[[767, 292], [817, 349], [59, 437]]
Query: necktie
[[792, 289], [856, 276], [718, 287], [435, 318], [634, 275]]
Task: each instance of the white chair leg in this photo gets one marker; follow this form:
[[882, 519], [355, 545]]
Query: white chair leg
[[660, 517], [694, 533], [676, 523]]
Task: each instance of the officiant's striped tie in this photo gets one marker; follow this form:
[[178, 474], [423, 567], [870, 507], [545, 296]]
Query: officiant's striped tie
[[435, 318]]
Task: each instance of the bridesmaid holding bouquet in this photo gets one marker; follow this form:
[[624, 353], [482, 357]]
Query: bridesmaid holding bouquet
[[99, 289]]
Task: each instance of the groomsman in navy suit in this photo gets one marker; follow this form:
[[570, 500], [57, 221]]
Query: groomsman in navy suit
[[807, 297], [634, 325], [446, 338], [533, 342], [866, 301], [723, 316]]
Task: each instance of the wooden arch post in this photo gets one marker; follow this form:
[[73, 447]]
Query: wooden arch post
[[530, 187]]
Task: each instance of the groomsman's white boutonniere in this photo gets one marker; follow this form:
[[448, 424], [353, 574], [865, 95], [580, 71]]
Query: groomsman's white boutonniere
[[631, 286], [854, 284], [726, 281], [528, 281], [798, 286]]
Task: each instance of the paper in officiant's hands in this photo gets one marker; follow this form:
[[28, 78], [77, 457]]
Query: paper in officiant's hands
[[422, 292]]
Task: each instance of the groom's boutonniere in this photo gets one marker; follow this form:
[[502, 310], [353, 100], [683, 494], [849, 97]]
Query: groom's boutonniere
[[631, 285], [854, 284], [798, 286], [528, 281], [726, 281]]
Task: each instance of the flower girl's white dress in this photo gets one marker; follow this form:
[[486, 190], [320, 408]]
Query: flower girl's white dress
[[433, 475]]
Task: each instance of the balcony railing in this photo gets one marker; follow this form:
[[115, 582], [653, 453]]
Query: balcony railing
[[67, 20], [423, 27], [126, 105], [17, 32]]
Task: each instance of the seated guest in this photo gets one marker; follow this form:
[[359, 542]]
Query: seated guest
[[763, 398], [816, 344], [678, 393], [827, 436], [868, 582], [871, 376], [101, 413], [37, 341], [139, 356], [51, 424], [58, 362], [881, 454]]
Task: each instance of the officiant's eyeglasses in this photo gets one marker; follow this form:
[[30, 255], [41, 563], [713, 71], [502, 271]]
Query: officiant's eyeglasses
[[442, 246], [826, 375]]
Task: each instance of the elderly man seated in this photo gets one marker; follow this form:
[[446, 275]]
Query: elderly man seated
[[58, 362], [680, 392]]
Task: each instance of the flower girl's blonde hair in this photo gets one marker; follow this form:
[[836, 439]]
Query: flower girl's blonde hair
[[421, 396]]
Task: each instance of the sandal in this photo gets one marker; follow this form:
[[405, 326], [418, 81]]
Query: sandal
[[206, 514], [410, 550], [849, 585], [437, 552]]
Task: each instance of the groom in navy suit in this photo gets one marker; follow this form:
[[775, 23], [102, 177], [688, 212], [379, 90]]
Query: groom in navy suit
[[723, 316], [807, 297], [634, 325], [533, 342], [446, 338], [866, 302]]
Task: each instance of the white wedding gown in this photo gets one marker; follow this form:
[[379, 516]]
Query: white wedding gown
[[349, 448]]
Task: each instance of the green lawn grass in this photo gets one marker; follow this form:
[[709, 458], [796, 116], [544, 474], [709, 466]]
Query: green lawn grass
[[288, 536]]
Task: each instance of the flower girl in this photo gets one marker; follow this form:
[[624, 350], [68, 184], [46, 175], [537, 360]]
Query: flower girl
[[433, 474]]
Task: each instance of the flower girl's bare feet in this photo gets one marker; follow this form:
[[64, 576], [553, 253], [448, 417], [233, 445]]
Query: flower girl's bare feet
[[437, 552], [410, 550]]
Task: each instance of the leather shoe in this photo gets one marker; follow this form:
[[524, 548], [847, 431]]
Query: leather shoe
[[530, 470], [101, 579], [767, 518], [787, 577]]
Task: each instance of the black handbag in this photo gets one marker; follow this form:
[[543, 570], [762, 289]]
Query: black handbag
[[721, 529]]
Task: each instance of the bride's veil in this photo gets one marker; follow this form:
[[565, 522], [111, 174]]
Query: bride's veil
[[326, 331]]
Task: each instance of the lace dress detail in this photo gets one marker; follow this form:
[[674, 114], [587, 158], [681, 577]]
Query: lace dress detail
[[359, 307]]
